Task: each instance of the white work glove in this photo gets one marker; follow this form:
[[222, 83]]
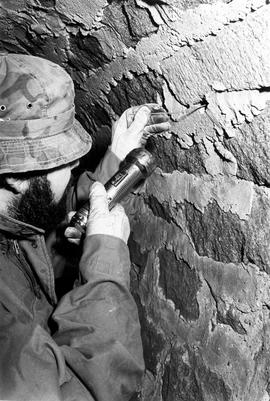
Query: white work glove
[[101, 220], [135, 126]]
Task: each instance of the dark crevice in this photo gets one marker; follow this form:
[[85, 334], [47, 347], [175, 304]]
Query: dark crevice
[[86, 53], [231, 320], [212, 293], [160, 210], [180, 283], [44, 4], [264, 89], [125, 13], [156, 2]]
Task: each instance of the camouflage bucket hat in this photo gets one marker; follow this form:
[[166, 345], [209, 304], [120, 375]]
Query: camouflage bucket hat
[[38, 129]]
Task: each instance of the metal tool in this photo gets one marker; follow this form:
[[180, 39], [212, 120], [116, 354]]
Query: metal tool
[[135, 168]]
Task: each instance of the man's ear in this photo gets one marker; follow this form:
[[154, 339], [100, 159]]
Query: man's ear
[[17, 186]]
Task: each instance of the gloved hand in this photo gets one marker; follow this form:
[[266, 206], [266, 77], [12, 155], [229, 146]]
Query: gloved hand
[[101, 220], [135, 126]]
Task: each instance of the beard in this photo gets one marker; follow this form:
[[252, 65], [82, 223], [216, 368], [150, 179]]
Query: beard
[[38, 207]]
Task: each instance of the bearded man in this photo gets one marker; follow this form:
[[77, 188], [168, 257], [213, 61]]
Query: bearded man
[[86, 345]]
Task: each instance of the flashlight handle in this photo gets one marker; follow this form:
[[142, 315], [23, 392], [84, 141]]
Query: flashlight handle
[[138, 165], [122, 183]]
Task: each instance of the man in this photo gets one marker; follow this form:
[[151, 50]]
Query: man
[[85, 346]]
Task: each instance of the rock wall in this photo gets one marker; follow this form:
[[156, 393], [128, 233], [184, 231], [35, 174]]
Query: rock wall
[[200, 242]]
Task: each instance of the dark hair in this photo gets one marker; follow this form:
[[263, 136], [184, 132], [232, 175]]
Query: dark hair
[[19, 176]]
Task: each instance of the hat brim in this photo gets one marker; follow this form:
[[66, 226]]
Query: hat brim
[[24, 154]]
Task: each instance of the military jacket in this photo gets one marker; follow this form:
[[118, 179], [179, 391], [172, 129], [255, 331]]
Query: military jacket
[[86, 346]]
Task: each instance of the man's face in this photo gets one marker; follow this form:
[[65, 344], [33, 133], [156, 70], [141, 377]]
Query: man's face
[[43, 204]]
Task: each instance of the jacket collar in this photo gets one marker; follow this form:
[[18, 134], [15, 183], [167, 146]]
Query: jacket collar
[[18, 228]]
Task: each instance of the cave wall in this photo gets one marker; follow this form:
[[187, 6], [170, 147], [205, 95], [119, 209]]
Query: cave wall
[[200, 242]]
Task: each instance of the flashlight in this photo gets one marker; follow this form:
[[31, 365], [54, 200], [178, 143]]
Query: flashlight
[[135, 168]]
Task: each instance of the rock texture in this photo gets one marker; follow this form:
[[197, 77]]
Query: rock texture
[[200, 242]]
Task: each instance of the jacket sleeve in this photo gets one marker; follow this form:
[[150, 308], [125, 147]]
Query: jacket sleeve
[[98, 326], [107, 167]]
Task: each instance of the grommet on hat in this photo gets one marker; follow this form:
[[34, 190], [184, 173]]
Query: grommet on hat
[[38, 129]]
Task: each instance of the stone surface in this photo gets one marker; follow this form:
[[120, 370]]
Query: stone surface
[[200, 243]]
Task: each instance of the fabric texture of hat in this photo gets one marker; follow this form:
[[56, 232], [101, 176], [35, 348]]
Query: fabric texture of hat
[[38, 129]]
